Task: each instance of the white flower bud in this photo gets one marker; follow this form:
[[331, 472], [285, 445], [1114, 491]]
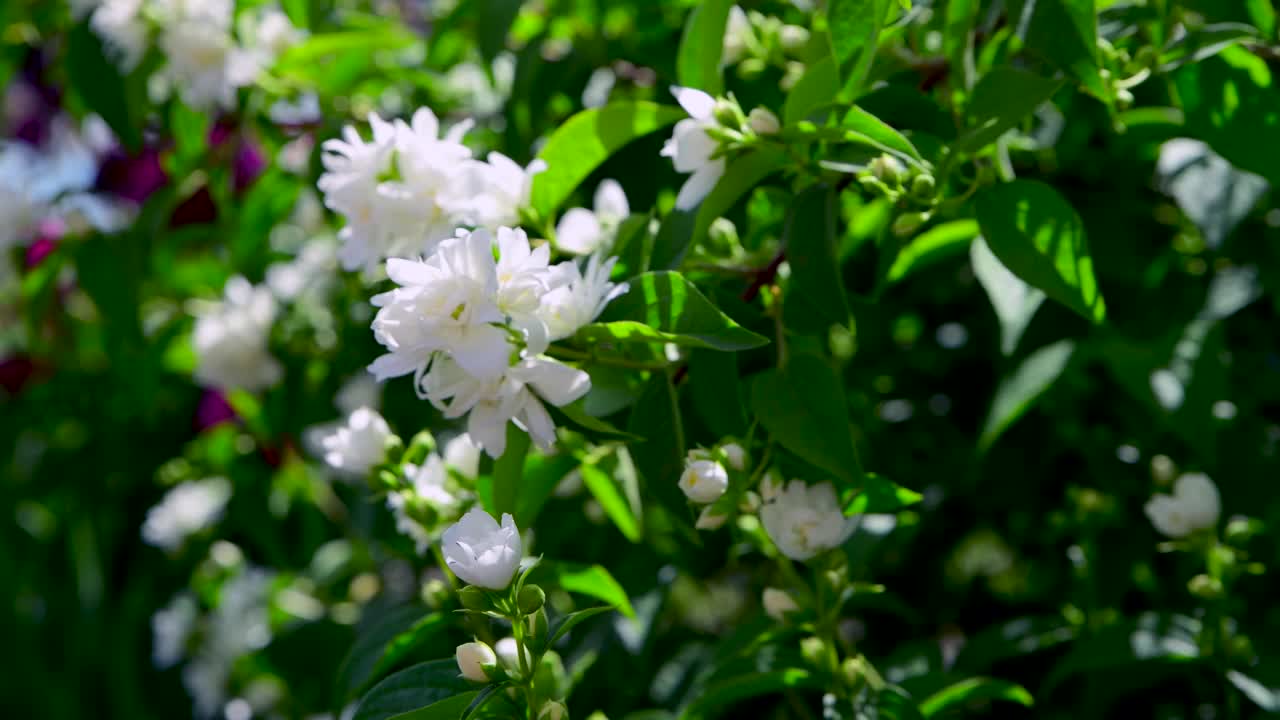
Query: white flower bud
[[704, 481], [777, 603], [480, 552], [750, 502], [735, 455], [763, 122], [793, 37], [508, 655], [472, 658], [709, 520], [771, 486]]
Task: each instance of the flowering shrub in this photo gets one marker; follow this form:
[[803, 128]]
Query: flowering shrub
[[645, 360]]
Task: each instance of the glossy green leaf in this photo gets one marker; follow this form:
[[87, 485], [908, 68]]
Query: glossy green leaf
[[1040, 238], [1020, 390], [698, 58], [594, 581], [1149, 639], [413, 688], [541, 475], [880, 495], [98, 81], [368, 654], [1231, 102], [741, 176], [661, 458], [931, 246], [803, 408], [1064, 32], [1205, 42], [974, 691], [572, 620], [717, 392], [665, 307], [586, 140], [1001, 100], [855, 26], [450, 708], [815, 298], [508, 471], [715, 699], [817, 87], [498, 16], [878, 133], [622, 507]]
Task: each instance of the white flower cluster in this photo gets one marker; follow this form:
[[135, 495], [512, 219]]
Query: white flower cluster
[[409, 188], [230, 339], [694, 147], [185, 510], [471, 329], [206, 57], [356, 446], [431, 484]]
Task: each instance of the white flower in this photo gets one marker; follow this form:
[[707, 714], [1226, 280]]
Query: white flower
[[480, 552], [447, 303], [357, 446], [805, 520], [583, 232], [691, 148], [497, 190], [771, 486], [472, 659], [463, 455], [401, 192], [703, 480], [738, 37], [123, 30], [735, 455], [184, 511], [230, 339], [428, 482], [1194, 506], [171, 628], [599, 85], [202, 58], [577, 297], [763, 121], [20, 212], [270, 33], [777, 603], [514, 396], [710, 520], [523, 272]]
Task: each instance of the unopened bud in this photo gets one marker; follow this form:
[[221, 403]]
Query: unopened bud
[[476, 661], [907, 223], [728, 114], [531, 599], [473, 598], [734, 455], [1239, 531], [778, 604], [723, 235], [394, 448], [814, 650], [888, 170], [793, 38], [749, 503], [763, 122], [751, 68], [709, 519], [1205, 587], [924, 187], [420, 446]]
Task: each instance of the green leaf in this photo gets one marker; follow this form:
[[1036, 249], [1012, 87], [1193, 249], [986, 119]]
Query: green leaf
[[413, 688], [718, 697], [1150, 638], [498, 16], [741, 176], [1001, 99], [450, 708], [717, 392], [1019, 391], [880, 495], [933, 245], [973, 691], [572, 620], [508, 471], [1039, 236], [1231, 103], [661, 458], [673, 239], [1065, 32], [575, 412], [803, 407], [190, 130], [958, 40], [665, 307], [817, 87], [623, 508], [541, 475], [879, 134], [815, 298], [1014, 301], [387, 641], [594, 581], [855, 27], [1211, 192], [586, 140], [95, 77], [698, 59], [1205, 42]]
